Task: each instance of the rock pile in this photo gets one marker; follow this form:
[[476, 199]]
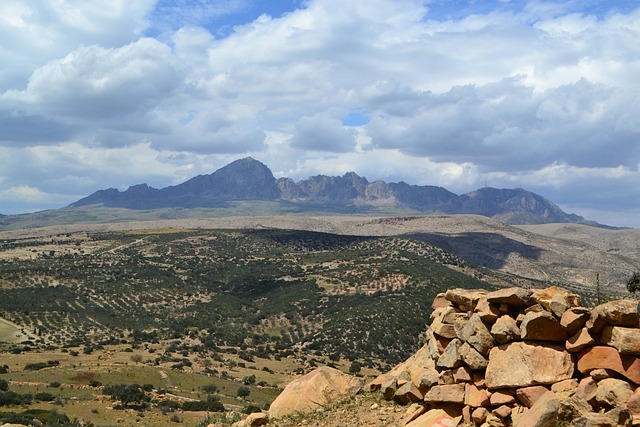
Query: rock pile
[[518, 357]]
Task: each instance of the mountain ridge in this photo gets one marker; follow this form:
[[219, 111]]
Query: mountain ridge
[[248, 179]]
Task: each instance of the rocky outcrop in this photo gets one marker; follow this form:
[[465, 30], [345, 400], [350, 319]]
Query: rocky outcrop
[[516, 357], [314, 390]]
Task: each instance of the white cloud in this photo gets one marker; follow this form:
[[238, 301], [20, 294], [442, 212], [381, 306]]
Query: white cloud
[[540, 95]]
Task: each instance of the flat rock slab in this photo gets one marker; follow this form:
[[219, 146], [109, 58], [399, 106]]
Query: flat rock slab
[[523, 364]]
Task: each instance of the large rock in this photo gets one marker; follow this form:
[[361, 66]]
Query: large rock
[[603, 357], [433, 418], [477, 335], [314, 390], [505, 330], [541, 326], [465, 298], [574, 319], [450, 357], [453, 393], [625, 340], [471, 357], [544, 413], [556, 300], [613, 392], [530, 395], [580, 341], [515, 297], [522, 364], [253, 420], [617, 313]]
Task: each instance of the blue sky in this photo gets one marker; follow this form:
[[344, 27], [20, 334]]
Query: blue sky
[[542, 95]]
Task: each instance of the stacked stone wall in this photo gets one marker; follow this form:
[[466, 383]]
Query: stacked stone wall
[[519, 357]]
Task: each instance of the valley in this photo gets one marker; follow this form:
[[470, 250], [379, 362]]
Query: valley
[[189, 305]]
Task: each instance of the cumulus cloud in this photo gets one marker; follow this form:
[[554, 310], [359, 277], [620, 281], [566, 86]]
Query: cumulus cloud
[[541, 95]]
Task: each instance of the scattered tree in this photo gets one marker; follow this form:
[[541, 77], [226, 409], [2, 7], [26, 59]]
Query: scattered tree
[[243, 392], [633, 284]]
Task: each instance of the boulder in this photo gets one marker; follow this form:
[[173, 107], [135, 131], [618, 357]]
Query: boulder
[[453, 393], [412, 412], [479, 415], [488, 312], [408, 393], [633, 404], [502, 397], [617, 313], [253, 420], [433, 418], [530, 395], [574, 319], [440, 301], [505, 330], [477, 335], [314, 390], [502, 411], [475, 396], [541, 326], [625, 340], [522, 364], [608, 358], [466, 299], [450, 357], [613, 392], [544, 413], [580, 341], [586, 390], [556, 300], [514, 297], [593, 419], [471, 357], [443, 329], [565, 386]]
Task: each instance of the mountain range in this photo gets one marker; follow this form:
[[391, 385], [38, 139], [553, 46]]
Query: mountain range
[[250, 180]]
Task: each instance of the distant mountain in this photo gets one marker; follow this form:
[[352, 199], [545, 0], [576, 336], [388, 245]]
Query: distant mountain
[[248, 179]]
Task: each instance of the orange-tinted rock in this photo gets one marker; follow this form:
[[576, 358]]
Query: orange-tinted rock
[[514, 297], [488, 312], [502, 397], [479, 415], [613, 392], [477, 335], [412, 412], [586, 390], [253, 420], [609, 358], [465, 298], [408, 393], [450, 357], [472, 358], [617, 313], [475, 397], [443, 329], [565, 386], [440, 302], [433, 418], [521, 364], [574, 319], [453, 393], [505, 330], [541, 326], [544, 413], [580, 341], [556, 300], [314, 390], [625, 340], [530, 395], [502, 412], [633, 404]]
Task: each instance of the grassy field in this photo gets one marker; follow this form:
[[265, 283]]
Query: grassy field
[[69, 383], [9, 332]]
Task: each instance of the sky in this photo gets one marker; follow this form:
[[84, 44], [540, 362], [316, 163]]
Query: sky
[[540, 95]]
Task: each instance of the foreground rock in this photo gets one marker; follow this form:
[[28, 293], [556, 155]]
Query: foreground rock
[[318, 388]]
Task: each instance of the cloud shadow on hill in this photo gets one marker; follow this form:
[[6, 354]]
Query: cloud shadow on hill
[[489, 250]]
